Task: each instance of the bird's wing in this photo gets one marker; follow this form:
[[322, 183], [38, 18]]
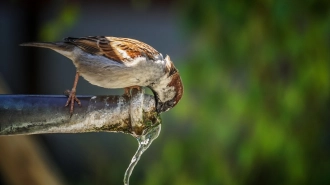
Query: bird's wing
[[114, 48]]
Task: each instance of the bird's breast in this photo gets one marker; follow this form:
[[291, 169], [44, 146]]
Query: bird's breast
[[103, 72]]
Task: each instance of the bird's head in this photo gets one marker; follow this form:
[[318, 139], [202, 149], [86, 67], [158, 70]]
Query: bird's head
[[169, 89]]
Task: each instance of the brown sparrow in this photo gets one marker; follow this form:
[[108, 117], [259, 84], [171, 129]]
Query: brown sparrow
[[113, 62]]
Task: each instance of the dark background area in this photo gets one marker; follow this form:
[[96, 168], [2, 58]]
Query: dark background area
[[257, 88]]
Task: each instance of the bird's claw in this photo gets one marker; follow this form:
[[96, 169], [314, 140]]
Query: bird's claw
[[71, 100], [128, 90]]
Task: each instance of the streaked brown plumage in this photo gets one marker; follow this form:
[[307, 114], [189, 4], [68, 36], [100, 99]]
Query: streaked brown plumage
[[113, 62]]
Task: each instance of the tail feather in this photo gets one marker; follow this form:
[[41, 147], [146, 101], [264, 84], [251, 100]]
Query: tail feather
[[60, 47], [57, 46]]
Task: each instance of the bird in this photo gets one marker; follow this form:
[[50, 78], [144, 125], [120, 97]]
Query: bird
[[116, 62]]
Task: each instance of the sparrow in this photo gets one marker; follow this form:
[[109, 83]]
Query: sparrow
[[114, 62]]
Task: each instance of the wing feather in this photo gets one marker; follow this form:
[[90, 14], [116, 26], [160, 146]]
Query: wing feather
[[114, 48]]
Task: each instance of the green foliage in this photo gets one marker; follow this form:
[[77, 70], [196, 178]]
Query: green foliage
[[256, 95], [65, 19]]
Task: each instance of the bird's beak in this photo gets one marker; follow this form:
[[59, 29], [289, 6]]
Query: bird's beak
[[160, 107]]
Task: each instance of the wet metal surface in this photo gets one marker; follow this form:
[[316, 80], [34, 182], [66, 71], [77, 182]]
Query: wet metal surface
[[37, 114]]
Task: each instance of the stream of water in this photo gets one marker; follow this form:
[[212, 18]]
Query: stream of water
[[144, 141]]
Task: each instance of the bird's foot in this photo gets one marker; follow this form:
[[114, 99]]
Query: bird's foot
[[128, 90], [71, 99]]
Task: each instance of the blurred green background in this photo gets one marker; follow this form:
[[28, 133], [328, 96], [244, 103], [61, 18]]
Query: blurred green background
[[257, 93]]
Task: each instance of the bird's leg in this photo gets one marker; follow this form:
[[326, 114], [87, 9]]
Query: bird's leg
[[128, 90], [72, 94]]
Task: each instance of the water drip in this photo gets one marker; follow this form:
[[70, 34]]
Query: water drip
[[144, 141]]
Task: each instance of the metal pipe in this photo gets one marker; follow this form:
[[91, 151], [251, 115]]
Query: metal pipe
[[40, 114]]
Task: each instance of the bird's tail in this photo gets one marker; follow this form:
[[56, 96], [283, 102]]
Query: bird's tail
[[57, 46], [60, 47]]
